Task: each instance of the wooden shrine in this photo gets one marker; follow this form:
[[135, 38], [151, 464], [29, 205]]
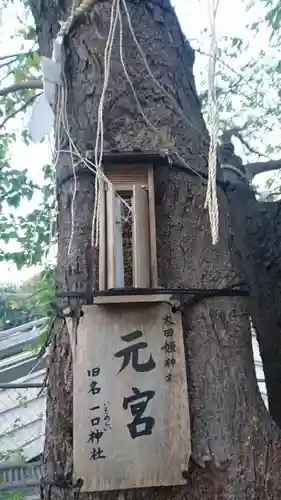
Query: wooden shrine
[[130, 194], [130, 404]]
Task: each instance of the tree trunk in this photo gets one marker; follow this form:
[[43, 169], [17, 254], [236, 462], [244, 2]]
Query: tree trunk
[[257, 233], [235, 445]]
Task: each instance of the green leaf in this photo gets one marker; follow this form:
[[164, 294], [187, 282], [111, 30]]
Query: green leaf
[[269, 149]]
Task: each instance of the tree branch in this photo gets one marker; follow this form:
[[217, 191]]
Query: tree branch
[[262, 166], [227, 134], [236, 131], [16, 87], [17, 54], [251, 169], [248, 146], [14, 113], [7, 63], [239, 75]]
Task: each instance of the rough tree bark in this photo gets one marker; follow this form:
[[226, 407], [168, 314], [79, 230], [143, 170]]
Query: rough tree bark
[[256, 235], [256, 231], [236, 447]]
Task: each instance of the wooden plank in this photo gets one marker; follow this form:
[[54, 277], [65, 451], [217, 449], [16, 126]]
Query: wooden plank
[[152, 230], [151, 445], [126, 189], [126, 299], [119, 174], [111, 233], [141, 257], [102, 238]]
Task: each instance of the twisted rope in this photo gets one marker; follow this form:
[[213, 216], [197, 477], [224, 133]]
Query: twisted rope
[[211, 201], [99, 137], [211, 196], [76, 11]]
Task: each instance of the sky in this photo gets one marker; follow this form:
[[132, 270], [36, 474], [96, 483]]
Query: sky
[[231, 20]]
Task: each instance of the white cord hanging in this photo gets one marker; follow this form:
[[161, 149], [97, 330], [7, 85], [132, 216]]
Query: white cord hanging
[[61, 118], [211, 201], [99, 137]]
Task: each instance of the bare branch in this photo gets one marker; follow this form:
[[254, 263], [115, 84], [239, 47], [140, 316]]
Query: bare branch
[[239, 75], [250, 148], [227, 134], [262, 166], [29, 84], [14, 113], [17, 54], [251, 169], [231, 89], [11, 61], [5, 76], [236, 132]]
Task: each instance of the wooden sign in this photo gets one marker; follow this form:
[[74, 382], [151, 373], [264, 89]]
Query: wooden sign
[[131, 416]]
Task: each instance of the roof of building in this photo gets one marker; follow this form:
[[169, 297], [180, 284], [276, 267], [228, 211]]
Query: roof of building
[[22, 409]]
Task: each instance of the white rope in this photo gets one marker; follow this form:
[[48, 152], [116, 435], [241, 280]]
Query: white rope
[[73, 165], [99, 136], [146, 120], [211, 201], [156, 82], [99, 145], [164, 91], [64, 120], [84, 7], [73, 150], [107, 60]]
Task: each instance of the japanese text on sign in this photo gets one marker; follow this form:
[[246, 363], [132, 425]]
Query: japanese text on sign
[[96, 432], [169, 346], [141, 425]]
